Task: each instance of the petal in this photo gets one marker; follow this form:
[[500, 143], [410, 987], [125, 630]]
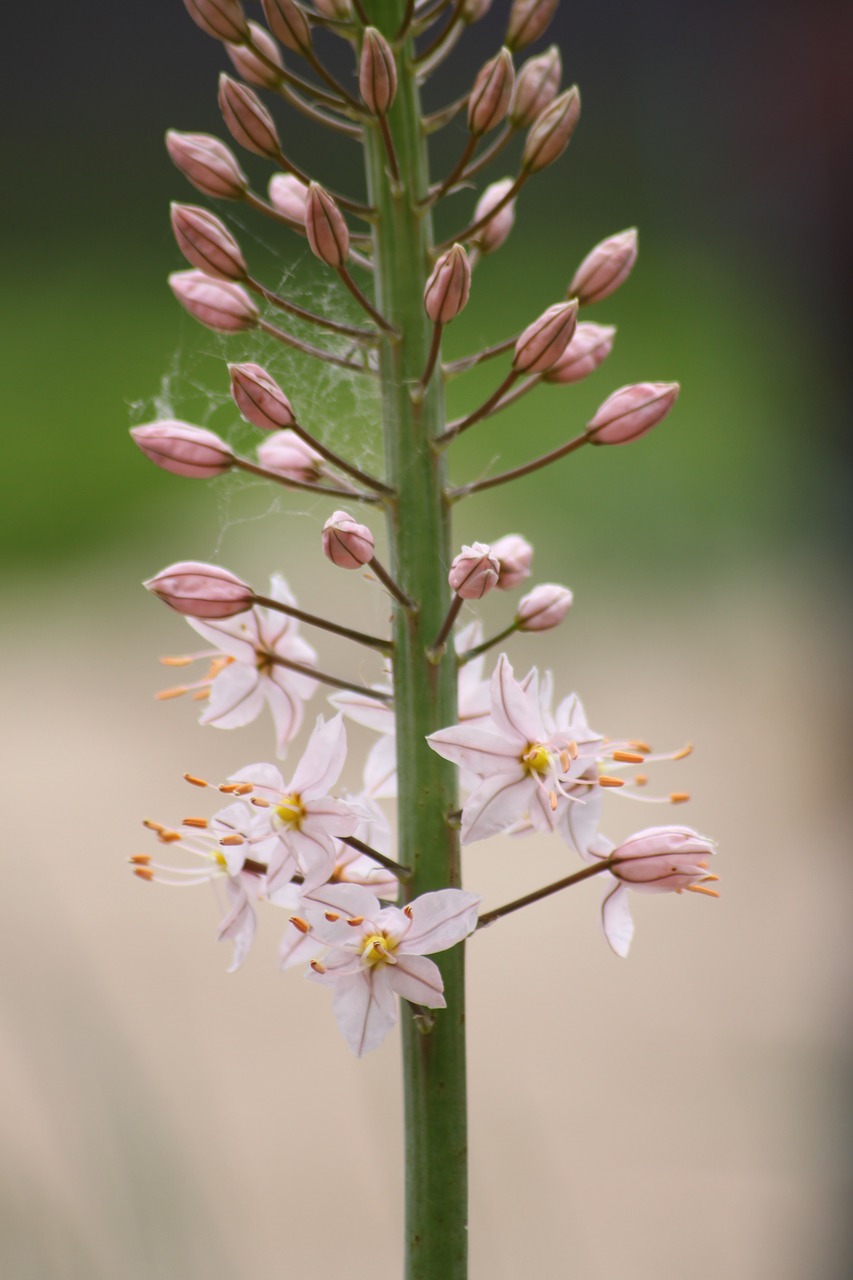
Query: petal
[[417, 979], [579, 820], [315, 856], [440, 920], [286, 710], [380, 768], [320, 766], [477, 750], [239, 924], [616, 919], [497, 804], [348, 899], [365, 710], [281, 868], [298, 948], [365, 1010], [235, 636], [514, 710], [263, 776], [236, 698]]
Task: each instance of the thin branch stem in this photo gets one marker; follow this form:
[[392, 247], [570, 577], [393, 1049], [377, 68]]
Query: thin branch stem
[[423, 60], [336, 102], [436, 649], [361, 12], [462, 424], [438, 119], [468, 362], [254, 201], [435, 348], [494, 149], [402, 873], [325, 678], [331, 491], [390, 585], [426, 14], [362, 211], [516, 472], [489, 917], [365, 302], [403, 29], [314, 62], [389, 148], [455, 173], [487, 644], [344, 127], [341, 463], [372, 642], [307, 349], [474, 227], [507, 400], [283, 304]]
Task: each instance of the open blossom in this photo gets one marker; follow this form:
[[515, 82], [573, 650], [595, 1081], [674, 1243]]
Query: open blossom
[[375, 953], [244, 675], [221, 846], [524, 767], [655, 860], [303, 819]]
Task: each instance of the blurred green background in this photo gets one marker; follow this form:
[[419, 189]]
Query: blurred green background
[[161, 1121]]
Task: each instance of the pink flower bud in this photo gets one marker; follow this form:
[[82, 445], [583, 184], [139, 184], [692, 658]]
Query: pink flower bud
[[208, 164], [662, 859], [222, 306], [259, 398], [632, 411], [247, 119], [494, 233], [490, 97], [551, 133], [514, 556], [341, 9], [377, 73], [527, 20], [474, 10], [326, 228], [589, 348], [207, 243], [474, 571], [290, 456], [222, 19], [536, 87], [247, 63], [347, 543], [448, 287], [289, 195], [183, 449], [605, 268], [201, 590], [288, 24], [543, 342], [543, 608]]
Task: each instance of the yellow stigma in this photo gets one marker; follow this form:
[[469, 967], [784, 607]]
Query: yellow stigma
[[378, 948], [537, 758], [290, 812], [220, 860]]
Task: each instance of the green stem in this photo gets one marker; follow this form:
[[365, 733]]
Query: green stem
[[424, 693]]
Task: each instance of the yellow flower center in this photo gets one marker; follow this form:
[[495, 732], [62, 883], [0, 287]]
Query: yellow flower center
[[378, 948], [537, 758], [290, 812], [221, 860]]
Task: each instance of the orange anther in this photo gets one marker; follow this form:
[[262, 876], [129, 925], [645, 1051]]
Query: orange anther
[[641, 779], [194, 781], [260, 802], [233, 839], [168, 837], [628, 757], [355, 921], [175, 662], [638, 745], [564, 760], [302, 925], [552, 800], [700, 888], [573, 749], [140, 859], [318, 966], [201, 823], [200, 695], [332, 916], [606, 781], [710, 877], [684, 752], [679, 797], [165, 694], [151, 825], [407, 911], [144, 873]]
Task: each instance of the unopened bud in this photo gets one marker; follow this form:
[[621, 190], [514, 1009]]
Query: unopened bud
[[207, 243], [290, 456], [208, 164], [253, 68], [219, 304], [589, 348], [183, 449], [632, 411], [259, 397], [289, 195], [340, 9], [662, 859], [326, 228], [222, 19], [377, 73], [247, 119], [490, 97], [605, 267], [474, 571], [448, 287], [514, 555], [527, 20], [491, 236], [543, 342], [474, 10], [536, 87], [552, 131], [348, 544], [288, 24], [201, 590], [543, 608]]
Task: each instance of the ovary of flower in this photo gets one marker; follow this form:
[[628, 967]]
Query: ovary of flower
[[302, 818], [655, 860], [376, 953], [244, 674], [525, 770], [242, 878]]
